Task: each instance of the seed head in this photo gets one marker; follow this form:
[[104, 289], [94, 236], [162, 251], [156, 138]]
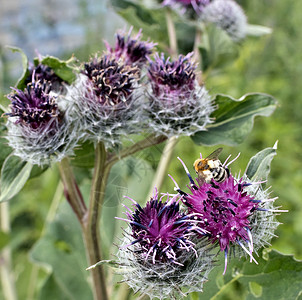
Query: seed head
[[227, 15]]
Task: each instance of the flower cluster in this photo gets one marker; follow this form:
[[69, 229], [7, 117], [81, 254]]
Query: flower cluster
[[169, 248], [177, 104]]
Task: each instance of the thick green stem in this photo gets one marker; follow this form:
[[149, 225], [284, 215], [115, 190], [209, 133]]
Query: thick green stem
[[197, 56], [171, 33], [163, 165], [91, 227], [71, 190], [149, 141]]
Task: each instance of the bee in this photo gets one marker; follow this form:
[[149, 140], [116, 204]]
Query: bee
[[211, 168]]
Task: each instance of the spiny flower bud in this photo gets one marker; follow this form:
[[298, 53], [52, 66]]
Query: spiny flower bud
[[177, 104], [131, 50], [39, 131], [227, 15], [106, 94], [161, 252], [235, 212]]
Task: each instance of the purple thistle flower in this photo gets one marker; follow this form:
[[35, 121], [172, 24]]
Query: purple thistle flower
[[177, 104], [40, 130], [111, 81], [232, 212], [161, 230], [33, 107], [106, 95], [131, 50], [173, 78], [159, 250]]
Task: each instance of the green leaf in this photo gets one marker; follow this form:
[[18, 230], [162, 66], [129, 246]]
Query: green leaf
[[84, 156], [5, 150], [60, 67], [258, 30], [217, 48], [258, 167], [234, 118], [37, 171], [141, 16], [276, 276], [25, 73], [62, 250], [14, 174]]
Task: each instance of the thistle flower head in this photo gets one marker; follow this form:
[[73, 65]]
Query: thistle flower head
[[106, 96], [227, 15], [177, 104], [235, 212], [39, 131], [174, 78], [131, 49], [111, 81], [34, 107], [160, 251]]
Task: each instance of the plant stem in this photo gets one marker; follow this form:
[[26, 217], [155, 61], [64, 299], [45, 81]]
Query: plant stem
[[171, 33], [71, 190], [197, 56], [149, 141], [163, 165], [7, 278], [91, 228]]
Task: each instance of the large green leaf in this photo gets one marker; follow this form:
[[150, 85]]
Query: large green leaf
[[14, 174], [276, 276], [62, 250], [258, 167], [234, 119]]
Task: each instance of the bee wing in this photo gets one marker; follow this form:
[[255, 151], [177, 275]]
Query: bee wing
[[201, 178], [215, 154]]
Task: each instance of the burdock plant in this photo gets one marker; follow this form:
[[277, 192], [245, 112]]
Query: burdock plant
[[169, 247]]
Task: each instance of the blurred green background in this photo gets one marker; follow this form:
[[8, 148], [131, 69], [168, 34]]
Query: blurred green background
[[271, 64]]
